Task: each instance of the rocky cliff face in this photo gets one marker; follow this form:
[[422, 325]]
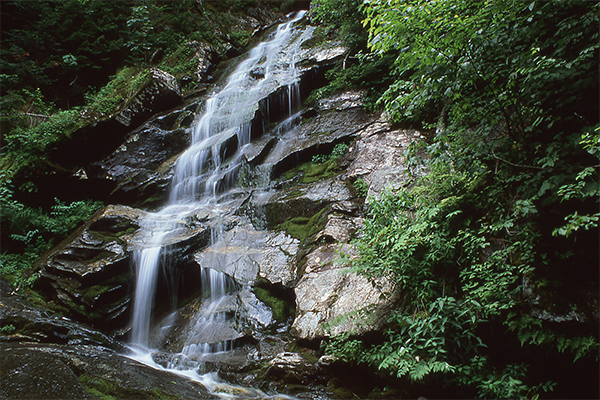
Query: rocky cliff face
[[280, 249]]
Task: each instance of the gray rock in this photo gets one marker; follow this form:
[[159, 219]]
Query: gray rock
[[205, 55], [246, 254], [256, 312], [141, 167], [36, 324], [379, 157], [342, 101], [339, 229], [330, 298]]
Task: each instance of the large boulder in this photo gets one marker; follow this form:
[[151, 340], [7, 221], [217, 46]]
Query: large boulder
[[330, 299], [161, 93], [141, 167], [247, 254], [88, 274], [50, 371]]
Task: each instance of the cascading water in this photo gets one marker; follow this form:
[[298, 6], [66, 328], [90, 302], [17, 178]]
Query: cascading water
[[204, 173]]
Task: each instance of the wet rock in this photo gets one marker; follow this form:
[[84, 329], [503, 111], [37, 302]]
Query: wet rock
[[36, 324], [89, 274], [202, 326], [329, 298], [246, 254], [342, 101], [35, 375], [30, 371], [206, 56], [322, 54], [319, 135], [98, 244], [264, 16], [255, 311], [141, 166], [291, 367], [257, 73]]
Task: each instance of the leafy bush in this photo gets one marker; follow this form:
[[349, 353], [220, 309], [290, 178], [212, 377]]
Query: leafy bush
[[510, 201], [338, 151], [32, 231]]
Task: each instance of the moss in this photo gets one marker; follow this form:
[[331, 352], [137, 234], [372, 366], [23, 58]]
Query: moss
[[339, 391], [108, 390], [80, 309], [282, 310], [92, 292], [304, 227], [308, 354], [310, 172]]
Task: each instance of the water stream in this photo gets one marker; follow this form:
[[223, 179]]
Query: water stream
[[203, 176]]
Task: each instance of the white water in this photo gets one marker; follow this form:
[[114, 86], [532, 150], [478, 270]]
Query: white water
[[201, 175]]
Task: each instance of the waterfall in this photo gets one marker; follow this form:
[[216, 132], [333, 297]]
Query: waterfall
[[207, 169]]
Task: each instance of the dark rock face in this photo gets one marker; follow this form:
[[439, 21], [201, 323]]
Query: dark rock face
[[92, 143], [35, 324], [51, 357], [50, 371], [89, 273], [160, 94], [140, 167]]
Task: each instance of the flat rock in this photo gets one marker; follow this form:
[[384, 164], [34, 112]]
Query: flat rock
[[50, 371], [246, 254]]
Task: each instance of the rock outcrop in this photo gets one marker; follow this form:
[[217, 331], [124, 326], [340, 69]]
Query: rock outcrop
[[281, 241]]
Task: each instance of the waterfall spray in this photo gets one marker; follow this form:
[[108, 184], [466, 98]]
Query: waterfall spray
[[202, 173]]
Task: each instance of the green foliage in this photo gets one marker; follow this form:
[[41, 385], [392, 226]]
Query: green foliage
[[107, 389], [345, 16], [532, 331], [492, 63], [61, 47], [29, 134], [586, 186], [7, 329], [117, 94], [32, 231], [511, 192], [141, 27], [338, 151], [362, 72]]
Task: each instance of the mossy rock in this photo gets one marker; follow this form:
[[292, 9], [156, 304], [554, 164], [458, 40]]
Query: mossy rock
[[107, 389], [310, 172], [281, 308], [304, 227]]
